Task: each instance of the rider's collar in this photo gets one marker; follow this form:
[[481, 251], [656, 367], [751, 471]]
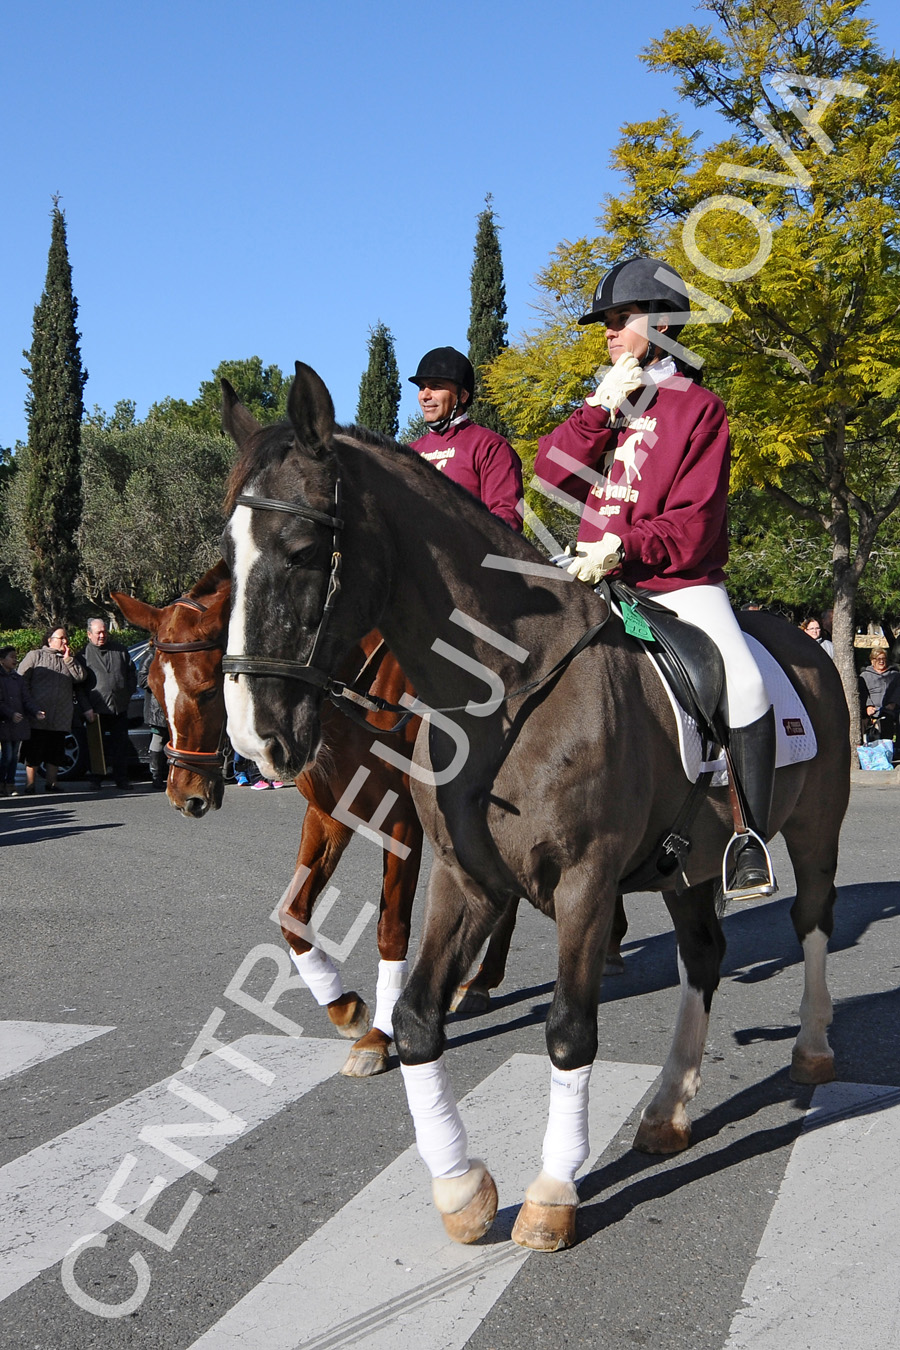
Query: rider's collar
[[446, 423], [661, 370]]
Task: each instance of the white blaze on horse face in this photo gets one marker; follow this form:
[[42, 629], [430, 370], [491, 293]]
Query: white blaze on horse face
[[170, 694], [238, 691]]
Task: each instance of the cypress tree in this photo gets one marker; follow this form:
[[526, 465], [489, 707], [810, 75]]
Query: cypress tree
[[379, 388], [53, 461], [487, 315]]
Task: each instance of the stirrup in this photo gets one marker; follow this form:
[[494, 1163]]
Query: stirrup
[[762, 889]]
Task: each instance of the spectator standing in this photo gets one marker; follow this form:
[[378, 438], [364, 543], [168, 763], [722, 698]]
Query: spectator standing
[[155, 719], [54, 676], [113, 681], [16, 707], [813, 628]]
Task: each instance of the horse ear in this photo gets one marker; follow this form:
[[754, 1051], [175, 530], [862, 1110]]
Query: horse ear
[[311, 410], [237, 421], [138, 614]]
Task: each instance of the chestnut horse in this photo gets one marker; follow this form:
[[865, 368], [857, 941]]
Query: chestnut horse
[[186, 677], [547, 766]]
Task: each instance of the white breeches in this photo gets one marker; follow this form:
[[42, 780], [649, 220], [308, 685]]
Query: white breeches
[[710, 609]]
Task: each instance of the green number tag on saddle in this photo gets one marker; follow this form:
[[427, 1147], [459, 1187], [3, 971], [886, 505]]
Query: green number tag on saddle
[[635, 624]]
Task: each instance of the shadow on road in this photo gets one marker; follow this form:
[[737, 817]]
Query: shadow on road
[[27, 825]]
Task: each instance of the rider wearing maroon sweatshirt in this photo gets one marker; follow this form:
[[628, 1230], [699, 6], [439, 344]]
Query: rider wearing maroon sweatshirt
[[480, 460], [645, 462]]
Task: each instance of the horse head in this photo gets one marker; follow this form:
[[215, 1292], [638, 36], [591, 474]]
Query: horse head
[[186, 678], [286, 544]]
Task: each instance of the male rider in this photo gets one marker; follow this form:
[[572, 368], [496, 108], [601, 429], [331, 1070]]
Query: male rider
[[480, 460]]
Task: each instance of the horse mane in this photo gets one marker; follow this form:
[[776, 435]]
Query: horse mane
[[269, 446]]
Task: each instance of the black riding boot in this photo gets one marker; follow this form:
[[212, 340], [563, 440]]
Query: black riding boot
[[159, 769], [753, 755]]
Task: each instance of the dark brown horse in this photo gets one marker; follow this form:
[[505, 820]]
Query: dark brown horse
[[348, 784], [555, 788]]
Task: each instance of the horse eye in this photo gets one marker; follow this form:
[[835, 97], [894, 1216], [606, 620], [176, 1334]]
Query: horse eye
[[300, 556], [206, 694]]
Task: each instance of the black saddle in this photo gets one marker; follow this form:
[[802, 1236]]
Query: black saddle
[[688, 659]]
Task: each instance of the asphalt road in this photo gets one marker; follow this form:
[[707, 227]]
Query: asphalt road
[[121, 918]]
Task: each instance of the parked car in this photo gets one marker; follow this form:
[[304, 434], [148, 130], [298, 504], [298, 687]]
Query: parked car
[[77, 762]]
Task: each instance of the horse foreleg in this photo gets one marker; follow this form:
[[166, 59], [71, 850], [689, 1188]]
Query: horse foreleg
[[474, 996], [665, 1127], [322, 842], [456, 924], [546, 1221], [369, 1056]]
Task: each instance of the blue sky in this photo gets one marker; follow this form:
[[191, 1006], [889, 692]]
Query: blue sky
[[274, 180]]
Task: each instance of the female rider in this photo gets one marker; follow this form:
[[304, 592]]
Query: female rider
[[649, 476]]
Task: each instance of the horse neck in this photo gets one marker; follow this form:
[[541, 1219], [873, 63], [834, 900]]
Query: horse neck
[[441, 575]]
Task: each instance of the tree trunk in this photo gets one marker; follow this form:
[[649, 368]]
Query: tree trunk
[[845, 588]]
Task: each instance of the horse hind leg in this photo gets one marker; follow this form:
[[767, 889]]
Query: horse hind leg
[[812, 914], [665, 1127], [474, 996]]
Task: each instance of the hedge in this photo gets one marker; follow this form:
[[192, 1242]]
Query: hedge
[[26, 639]]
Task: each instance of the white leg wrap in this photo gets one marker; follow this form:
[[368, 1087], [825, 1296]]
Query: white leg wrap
[[440, 1134], [566, 1141], [391, 979], [318, 973]]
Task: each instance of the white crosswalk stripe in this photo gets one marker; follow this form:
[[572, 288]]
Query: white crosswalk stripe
[[24, 1044], [410, 1286], [825, 1275], [48, 1197]]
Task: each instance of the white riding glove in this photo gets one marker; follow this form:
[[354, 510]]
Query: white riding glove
[[594, 561], [622, 380]]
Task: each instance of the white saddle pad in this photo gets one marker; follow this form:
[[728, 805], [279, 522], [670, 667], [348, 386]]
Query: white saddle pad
[[795, 738]]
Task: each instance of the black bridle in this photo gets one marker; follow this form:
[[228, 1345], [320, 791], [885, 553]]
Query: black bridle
[[343, 696], [349, 700]]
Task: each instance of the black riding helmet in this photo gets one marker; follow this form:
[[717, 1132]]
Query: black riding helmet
[[635, 282], [446, 363]]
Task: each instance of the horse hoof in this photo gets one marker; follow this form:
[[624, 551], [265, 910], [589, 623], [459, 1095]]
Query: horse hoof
[[368, 1057], [810, 1068], [467, 1000], [614, 965], [544, 1228], [349, 1016], [662, 1136], [474, 1218]]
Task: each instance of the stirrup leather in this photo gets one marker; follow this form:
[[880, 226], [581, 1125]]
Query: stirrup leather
[[768, 887]]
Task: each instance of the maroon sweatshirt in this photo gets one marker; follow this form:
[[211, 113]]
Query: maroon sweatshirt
[[658, 480], [481, 461]]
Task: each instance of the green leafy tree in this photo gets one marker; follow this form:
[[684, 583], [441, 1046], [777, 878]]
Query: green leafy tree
[[379, 387], [262, 389], [788, 231], [53, 464], [487, 314], [152, 512]]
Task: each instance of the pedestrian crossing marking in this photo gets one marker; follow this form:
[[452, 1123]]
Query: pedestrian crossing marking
[[49, 1196], [408, 1285], [825, 1271], [25, 1044]]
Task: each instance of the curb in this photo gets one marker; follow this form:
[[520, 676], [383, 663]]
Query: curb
[[879, 778]]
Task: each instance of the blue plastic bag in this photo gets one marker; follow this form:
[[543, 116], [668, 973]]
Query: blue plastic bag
[[878, 755]]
